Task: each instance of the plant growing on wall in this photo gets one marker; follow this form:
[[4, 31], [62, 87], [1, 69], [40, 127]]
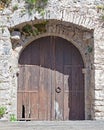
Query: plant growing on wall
[[89, 49], [2, 111], [15, 7], [13, 118], [100, 8], [33, 30], [27, 30], [31, 5], [41, 27], [38, 5]]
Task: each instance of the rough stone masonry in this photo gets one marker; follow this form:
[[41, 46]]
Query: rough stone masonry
[[83, 19]]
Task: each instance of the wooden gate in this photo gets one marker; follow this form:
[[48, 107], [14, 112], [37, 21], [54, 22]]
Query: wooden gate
[[50, 82]]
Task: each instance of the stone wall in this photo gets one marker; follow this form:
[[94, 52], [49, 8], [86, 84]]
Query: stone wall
[[83, 14]]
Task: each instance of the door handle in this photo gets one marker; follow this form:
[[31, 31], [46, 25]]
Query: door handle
[[58, 90]]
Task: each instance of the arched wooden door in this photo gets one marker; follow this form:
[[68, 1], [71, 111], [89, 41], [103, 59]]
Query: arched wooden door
[[50, 81]]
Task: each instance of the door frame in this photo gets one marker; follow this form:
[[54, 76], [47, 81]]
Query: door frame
[[86, 70], [60, 42]]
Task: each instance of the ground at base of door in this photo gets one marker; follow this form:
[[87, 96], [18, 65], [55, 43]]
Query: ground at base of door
[[53, 125]]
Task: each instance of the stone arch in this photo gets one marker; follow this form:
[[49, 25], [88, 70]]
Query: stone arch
[[81, 37], [63, 15], [87, 34]]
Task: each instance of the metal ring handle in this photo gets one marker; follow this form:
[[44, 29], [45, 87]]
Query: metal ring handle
[[58, 89]]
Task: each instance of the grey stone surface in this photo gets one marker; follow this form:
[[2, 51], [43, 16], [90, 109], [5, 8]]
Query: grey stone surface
[[77, 13]]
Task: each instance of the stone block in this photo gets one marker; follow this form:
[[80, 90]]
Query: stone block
[[4, 86], [87, 35], [99, 77], [99, 109], [99, 103], [99, 94], [4, 32]]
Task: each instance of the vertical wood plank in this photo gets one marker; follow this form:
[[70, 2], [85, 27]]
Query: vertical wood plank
[[67, 79], [19, 105], [67, 85], [59, 97], [26, 104], [19, 93], [42, 86], [21, 78], [34, 105], [34, 80], [81, 95], [52, 42], [47, 77], [34, 85]]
